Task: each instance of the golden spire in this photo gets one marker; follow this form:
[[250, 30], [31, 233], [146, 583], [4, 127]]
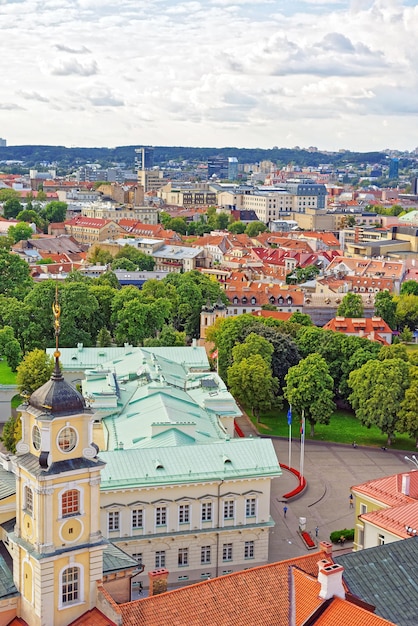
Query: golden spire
[[56, 309]]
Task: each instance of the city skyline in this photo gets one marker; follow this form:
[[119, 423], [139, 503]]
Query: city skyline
[[327, 73]]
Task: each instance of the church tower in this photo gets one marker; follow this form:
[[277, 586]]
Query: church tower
[[56, 546]]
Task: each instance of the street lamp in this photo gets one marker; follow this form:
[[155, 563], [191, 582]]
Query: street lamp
[[412, 460]]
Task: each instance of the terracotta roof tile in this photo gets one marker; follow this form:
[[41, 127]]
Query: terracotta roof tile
[[388, 490], [93, 618], [341, 612]]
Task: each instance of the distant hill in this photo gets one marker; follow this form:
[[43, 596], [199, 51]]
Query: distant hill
[[69, 157]]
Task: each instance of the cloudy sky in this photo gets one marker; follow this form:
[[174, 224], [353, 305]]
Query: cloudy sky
[[246, 73]]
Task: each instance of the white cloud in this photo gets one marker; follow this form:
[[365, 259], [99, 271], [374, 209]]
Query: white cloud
[[96, 72]]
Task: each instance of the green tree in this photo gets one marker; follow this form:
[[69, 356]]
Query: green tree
[[255, 228], [394, 351], [20, 232], [409, 287], [407, 311], [309, 390], [107, 279], [253, 344], [178, 224], [137, 320], [40, 329], [385, 307], [34, 371], [11, 208], [99, 256], [351, 306], [15, 279], [301, 318], [406, 335], [78, 318], [378, 389], [104, 338], [225, 333], [55, 211], [12, 433], [408, 416], [143, 262], [29, 216], [10, 347], [237, 228], [124, 264], [8, 194], [251, 381], [168, 336]]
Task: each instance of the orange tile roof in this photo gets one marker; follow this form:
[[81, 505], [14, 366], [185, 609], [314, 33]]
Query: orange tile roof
[[93, 618], [254, 597], [342, 612], [388, 490], [306, 594], [277, 315], [395, 519]]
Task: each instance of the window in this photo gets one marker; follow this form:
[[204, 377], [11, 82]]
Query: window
[[137, 518], [70, 585], [67, 439], [36, 437], [159, 559], [29, 500], [184, 511], [205, 554], [249, 550], [206, 511], [70, 502], [250, 507], [363, 509], [183, 557], [227, 552], [138, 557], [161, 516], [229, 509], [381, 540], [113, 521]]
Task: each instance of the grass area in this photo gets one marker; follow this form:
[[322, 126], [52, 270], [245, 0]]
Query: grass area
[[344, 427], [7, 377], [411, 347]]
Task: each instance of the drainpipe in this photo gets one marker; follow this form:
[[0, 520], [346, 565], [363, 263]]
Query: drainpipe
[[218, 527]]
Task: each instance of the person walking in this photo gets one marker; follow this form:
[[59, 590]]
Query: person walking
[[351, 500], [284, 511], [316, 531]]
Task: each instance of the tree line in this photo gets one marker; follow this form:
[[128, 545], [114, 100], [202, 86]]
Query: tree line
[[269, 363]]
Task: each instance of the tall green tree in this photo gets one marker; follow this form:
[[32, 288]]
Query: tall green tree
[[351, 306], [407, 421], [20, 232], [385, 307], [253, 344], [407, 311], [255, 228], [11, 208], [251, 381], [54, 211], [10, 347], [35, 370], [409, 287], [378, 389], [15, 279], [237, 228], [310, 389]]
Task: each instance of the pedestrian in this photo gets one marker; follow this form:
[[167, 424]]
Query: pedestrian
[[284, 510], [316, 531], [351, 500]]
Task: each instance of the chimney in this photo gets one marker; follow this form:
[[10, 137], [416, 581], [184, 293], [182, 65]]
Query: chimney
[[405, 484], [330, 577], [326, 546], [157, 581]]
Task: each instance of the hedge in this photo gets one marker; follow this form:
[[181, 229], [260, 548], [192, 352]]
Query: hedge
[[337, 534]]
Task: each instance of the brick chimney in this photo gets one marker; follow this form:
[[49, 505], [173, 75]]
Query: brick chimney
[[330, 577], [405, 484], [326, 546], [157, 581]]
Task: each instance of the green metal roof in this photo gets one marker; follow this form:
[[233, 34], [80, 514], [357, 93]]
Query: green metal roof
[[234, 458], [116, 560], [387, 577], [7, 484], [7, 586]]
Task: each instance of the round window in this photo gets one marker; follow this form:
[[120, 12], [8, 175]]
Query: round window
[[67, 439], [36, 438]]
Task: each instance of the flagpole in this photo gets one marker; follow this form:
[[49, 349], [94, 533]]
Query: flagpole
[[302, 445], [289, 421]]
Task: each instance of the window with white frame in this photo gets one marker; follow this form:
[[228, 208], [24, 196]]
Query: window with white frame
[[138, 557], [161, 516], [28, 500], [381, 540], [229, 509], [70, 585], [159, 559], [184, 513], [227, 552], [183, 557], [70, 503], [206, 511], [205, 554], [249, 550], [113, 521], [250, 507], [137, 518], [363, 509]]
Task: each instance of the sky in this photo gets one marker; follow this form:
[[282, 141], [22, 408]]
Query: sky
[[247, 73]]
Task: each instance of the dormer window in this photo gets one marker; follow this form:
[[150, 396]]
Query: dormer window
[[244, 300], [272, 300], [253, 300], [289, 300]]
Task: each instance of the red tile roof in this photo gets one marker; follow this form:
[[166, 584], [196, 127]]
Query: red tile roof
[[388, 490], [93, 618]]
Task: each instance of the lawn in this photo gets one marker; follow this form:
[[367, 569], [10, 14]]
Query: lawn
[[7, 377], [344, 427]]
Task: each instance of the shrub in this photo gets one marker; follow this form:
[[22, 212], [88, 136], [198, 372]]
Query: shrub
[[336, 535]]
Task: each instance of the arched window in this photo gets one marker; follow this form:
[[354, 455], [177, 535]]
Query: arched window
[[28, 500], [70, 502], [70, 586]]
